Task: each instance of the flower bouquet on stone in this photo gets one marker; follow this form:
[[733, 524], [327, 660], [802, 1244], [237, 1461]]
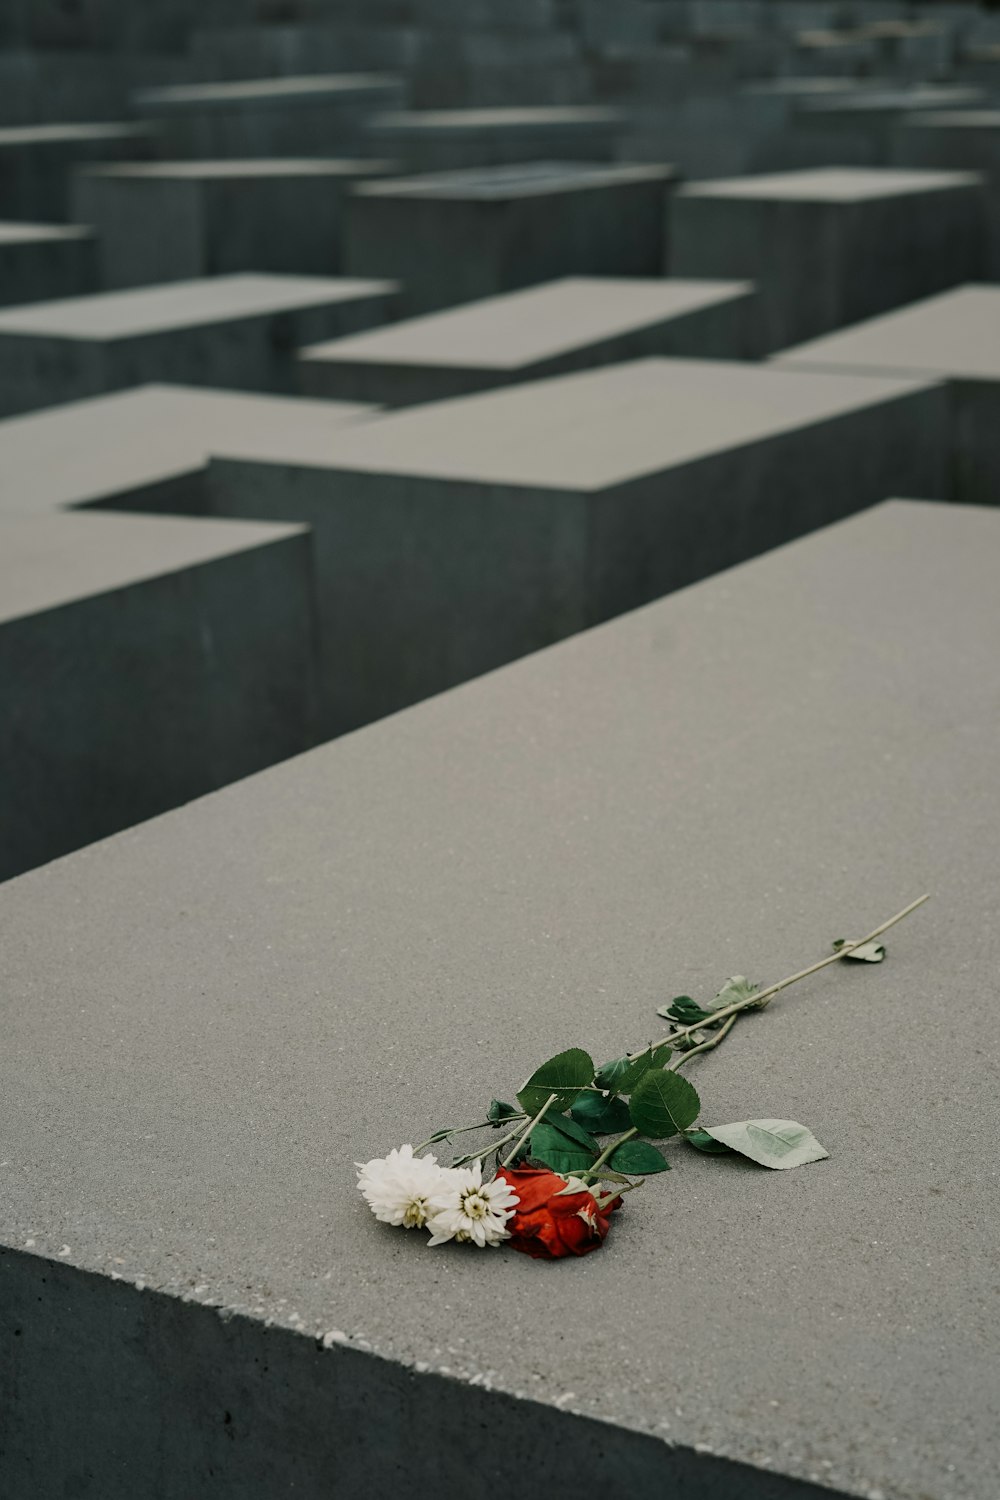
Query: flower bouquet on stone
[[580, 1136]]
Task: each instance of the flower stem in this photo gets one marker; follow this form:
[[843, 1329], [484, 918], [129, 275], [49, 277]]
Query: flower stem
[[493, 1146], [440, 1136], [764, 997], [706, 1045], [528, 1129], [608, 1151]]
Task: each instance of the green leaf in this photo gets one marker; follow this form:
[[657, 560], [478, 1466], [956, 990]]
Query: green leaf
[[685, 1011], [554, 1149], [599, 1115], [638, 1157], [867, 953], [439, 1135], [572, 1131], [499, 1111], [563, 1075], [662, 1104], [734, 990], [702, 1141], [773, 1143], [622, 1075]]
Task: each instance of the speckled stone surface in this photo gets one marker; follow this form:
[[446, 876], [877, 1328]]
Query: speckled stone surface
[[207, 1019]]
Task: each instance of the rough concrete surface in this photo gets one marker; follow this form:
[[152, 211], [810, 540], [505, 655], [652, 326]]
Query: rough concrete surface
[[574, 323], [152, 440], [208, 1019]]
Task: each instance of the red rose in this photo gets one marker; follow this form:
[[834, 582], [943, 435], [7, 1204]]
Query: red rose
[[550, 1222]]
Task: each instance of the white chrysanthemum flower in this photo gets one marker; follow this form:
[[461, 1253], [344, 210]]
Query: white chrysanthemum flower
[[399, 1188], [467, 1209]]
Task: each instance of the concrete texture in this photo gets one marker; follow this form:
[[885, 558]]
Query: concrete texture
[[859, 131], [239, 331], [209, 1019], [173, 221], [829, 246], [449, 140], [313, 115], [453, 537], [573, 324], [41, 261], [516, 226], [148, 449], [967, 139], [143, 661], [37, 162], [954, 337]]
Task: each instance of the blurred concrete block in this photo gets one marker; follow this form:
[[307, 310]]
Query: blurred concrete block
[[143, 662], [954, 337], [967, 139], [858, 130], [449, 140], [574, 324], [826, 247], [300, 48], [37, 162], [174, 221], [311, 115], [456, 236], [239, 331], [148, 449], [41, 261], [453, 537]]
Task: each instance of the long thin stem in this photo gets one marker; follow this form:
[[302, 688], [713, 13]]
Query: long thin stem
[[493, 1146], [528, 1129], [764, 997], [608, 1151], [440, 1136], [706, 1045]]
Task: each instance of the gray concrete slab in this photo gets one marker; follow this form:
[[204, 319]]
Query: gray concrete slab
[[41, 261], [859, 131], [446, 140], [208, 1019], [453, 537], [573, 324], [240, 331], [148, 449], [143, 662], [37, 162], [828, 246], [516, 225], [967, 139], [953, 337], [310, 115], [173, 221]]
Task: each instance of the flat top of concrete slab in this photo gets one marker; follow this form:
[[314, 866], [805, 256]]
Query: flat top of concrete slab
[[102, 448], [282, 90], [809, 85], [52, 560], [209, 1018], [956, 119], [832, 184], [106, 316], [524, 180], [955, 334], [32, 135], [587, 431], [272, 166], [515, 118], [521, 328], [34, 234], [890, 101]]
